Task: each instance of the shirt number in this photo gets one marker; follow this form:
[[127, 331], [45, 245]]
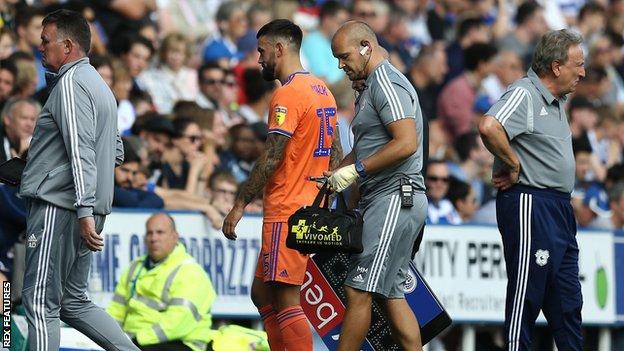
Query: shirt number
[[325, 129]]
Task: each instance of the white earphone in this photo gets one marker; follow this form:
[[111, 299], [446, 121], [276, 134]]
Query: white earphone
[[364, 50]]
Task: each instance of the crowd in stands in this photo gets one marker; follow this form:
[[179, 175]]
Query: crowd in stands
[[193, 107]]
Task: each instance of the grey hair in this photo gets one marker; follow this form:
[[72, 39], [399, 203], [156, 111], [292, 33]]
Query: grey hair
[[12, 103], [553, 46]]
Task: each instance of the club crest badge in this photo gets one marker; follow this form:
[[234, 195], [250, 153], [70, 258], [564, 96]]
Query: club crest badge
[[541, 257]]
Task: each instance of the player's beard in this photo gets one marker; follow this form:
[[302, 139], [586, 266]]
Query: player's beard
[[268, 73]]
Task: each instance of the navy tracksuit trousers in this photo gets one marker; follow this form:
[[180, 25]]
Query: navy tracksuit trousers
[[538, 229]]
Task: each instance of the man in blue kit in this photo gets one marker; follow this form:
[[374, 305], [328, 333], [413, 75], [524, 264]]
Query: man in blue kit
[[528, 133]]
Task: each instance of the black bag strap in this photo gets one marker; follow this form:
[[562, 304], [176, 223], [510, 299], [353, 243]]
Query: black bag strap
[[322, 194]]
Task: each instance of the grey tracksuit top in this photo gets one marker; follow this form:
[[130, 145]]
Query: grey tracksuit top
[[75, 146]]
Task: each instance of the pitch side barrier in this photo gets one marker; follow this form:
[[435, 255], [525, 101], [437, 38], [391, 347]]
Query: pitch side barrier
[[464, 265]]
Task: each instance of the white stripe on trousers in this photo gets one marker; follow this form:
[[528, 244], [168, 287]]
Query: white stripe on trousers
[[387, 232], [524, 255], [39, 293]]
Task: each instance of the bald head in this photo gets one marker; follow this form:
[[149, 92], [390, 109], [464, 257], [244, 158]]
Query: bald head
[[354, 32], [357, 50]]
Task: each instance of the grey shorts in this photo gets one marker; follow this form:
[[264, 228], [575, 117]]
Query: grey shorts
[[388, 237]]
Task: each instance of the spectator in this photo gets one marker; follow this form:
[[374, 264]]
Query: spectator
[[469, 31], [7, 43], [426, 75], [19, 116], [441, 210], [374, 13], [316, 46], [171, 80], [592, 19], [395, 39], [126, 194], [417, 22], [155, 131], [616, 204], [258, 92], [119, 17], [212, 80], [475, 163], [26, 80], [261, 131], [136, 53], [222, 189], [232, 24], [229, 97], [602, 55], [122, 86], [457, 99], [530, 26], [185, 163], [595, 211], [507, 69], [177, 316], [104, 66], [8, 78], [464, 199], [28, 28], [240, 158]]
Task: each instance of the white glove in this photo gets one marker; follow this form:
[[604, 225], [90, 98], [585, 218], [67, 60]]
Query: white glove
[[343, 177]]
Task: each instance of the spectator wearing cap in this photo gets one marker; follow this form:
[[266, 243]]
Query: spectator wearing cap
[[258, 92], [240, 157], [316, 46], [171, 80], [595, 86], [457, 99], [19, 116], [232, 24]]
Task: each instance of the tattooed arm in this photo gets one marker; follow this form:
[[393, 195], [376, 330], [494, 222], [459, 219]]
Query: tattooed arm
[[260, 174], [336, 151]]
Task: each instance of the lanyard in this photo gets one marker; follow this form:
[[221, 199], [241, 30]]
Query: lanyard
[[134, 281]]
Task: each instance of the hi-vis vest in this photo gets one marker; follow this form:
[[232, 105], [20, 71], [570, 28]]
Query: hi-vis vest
[[166, 303]]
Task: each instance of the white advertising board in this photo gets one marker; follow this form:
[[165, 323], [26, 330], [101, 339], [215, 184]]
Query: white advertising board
[[464, 265]]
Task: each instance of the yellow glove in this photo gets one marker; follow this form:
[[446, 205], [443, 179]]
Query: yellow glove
[[343, 177]]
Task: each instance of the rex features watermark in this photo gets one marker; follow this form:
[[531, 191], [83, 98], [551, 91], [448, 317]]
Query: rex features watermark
[[6, 314]]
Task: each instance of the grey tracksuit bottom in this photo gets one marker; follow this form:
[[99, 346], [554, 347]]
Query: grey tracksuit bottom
[[55, 282]]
